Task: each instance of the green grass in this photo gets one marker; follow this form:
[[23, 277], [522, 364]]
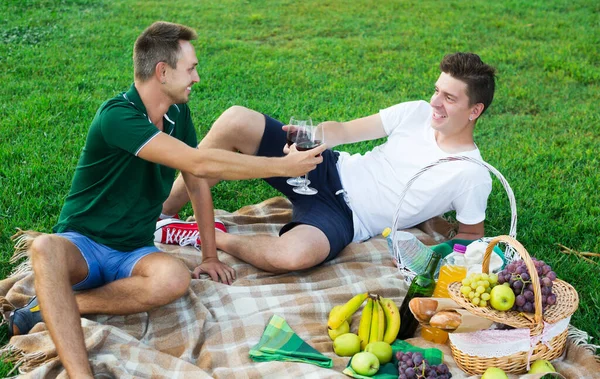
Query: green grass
[[335, 60]]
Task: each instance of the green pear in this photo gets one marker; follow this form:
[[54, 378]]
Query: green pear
[[342, 329], [346, 345], [494, 373], [541, 366], [382, 350]]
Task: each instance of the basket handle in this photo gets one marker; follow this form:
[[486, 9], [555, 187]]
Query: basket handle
[[535, 280], [511, 197]]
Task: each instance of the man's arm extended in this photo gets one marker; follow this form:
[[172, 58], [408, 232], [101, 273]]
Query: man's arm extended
[[222, 164], [362, 129]]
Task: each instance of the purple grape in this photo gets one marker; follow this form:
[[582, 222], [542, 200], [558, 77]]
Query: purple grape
[[551, 275], [517, 285], [410, 371], [551, 299], [402, 376], [528, 295], [410, 363], [528, 307], [525, 276], [546, 282], [546, 269], [520, 300], [417, 360], [500, 278]]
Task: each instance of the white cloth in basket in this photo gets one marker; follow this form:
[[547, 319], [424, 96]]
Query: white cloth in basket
[[502, 343]]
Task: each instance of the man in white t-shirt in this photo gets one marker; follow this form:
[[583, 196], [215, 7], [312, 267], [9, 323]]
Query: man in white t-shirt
[[358, 194]]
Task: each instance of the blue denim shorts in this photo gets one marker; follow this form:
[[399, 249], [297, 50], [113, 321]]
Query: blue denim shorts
[[105, 265], [327, 210]]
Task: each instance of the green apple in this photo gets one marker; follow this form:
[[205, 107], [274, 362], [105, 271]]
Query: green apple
[[365, 363], [346, 345], [342, 329], [502, 298], [494, 373], [541, 366], [382, 350]]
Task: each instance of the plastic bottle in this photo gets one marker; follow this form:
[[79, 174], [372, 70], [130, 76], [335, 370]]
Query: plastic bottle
[[453, 270], [421, 286], [414, 255]]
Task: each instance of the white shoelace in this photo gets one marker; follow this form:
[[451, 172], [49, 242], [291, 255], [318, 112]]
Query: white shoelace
[[182, 237]]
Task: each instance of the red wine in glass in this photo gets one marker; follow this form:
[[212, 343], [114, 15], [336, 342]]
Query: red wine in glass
[[291, 137], [307, 145]]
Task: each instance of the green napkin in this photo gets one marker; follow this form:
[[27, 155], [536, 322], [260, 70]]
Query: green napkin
[[390, 370], [280, 343]]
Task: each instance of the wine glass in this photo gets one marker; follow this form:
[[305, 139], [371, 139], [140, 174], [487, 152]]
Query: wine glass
[[307, 138], [292, 132]]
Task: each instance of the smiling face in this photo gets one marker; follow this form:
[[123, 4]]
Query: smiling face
[[452, 113], [179, 81]]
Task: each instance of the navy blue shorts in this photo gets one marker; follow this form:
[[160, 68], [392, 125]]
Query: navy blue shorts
[[326, 211]]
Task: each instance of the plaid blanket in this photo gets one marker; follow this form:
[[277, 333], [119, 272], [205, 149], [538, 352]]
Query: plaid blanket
[[209, 332]]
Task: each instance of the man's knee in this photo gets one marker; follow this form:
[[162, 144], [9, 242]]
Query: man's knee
[[44, 250], [298, 258], [170, 283]]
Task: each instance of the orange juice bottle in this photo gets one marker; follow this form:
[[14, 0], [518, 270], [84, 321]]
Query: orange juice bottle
[[453, 270]]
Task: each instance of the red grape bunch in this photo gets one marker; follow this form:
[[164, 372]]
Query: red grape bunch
[[517, 276], [414, 366]]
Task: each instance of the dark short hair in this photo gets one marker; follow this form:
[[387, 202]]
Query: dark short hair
[[478, 76], [159, 43]]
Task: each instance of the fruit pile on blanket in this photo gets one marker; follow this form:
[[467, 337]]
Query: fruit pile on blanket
[[371, 347]]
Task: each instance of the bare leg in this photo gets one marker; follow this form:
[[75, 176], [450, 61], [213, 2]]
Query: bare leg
[[302, 247], [157, 279], [57, 263], [237, 129]]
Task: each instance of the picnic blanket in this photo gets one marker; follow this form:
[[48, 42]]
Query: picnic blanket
[[210, 331]]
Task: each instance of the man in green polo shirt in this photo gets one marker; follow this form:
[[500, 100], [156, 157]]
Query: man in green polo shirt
[[103, 246]]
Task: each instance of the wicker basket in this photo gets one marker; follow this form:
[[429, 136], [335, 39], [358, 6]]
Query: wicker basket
[[509, 254], [566, 304]]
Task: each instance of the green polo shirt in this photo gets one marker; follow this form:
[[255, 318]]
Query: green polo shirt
[[116, 197]]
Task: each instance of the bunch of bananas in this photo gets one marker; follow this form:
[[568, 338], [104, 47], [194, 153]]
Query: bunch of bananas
[[379, 321]]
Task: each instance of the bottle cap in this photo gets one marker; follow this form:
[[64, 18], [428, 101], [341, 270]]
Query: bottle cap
[[459, 248]]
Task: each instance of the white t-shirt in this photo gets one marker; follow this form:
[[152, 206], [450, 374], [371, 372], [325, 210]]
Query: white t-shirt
[[375, 180]]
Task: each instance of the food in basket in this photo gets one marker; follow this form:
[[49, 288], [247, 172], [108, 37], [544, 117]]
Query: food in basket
[[446, 320], [502, 298], [494, 373], [517, 276], [477, 288], [413, 365]]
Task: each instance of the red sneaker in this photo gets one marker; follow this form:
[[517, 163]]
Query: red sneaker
[[173, 231]]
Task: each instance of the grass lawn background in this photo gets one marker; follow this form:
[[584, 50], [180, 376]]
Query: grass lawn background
[[334, 60]]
